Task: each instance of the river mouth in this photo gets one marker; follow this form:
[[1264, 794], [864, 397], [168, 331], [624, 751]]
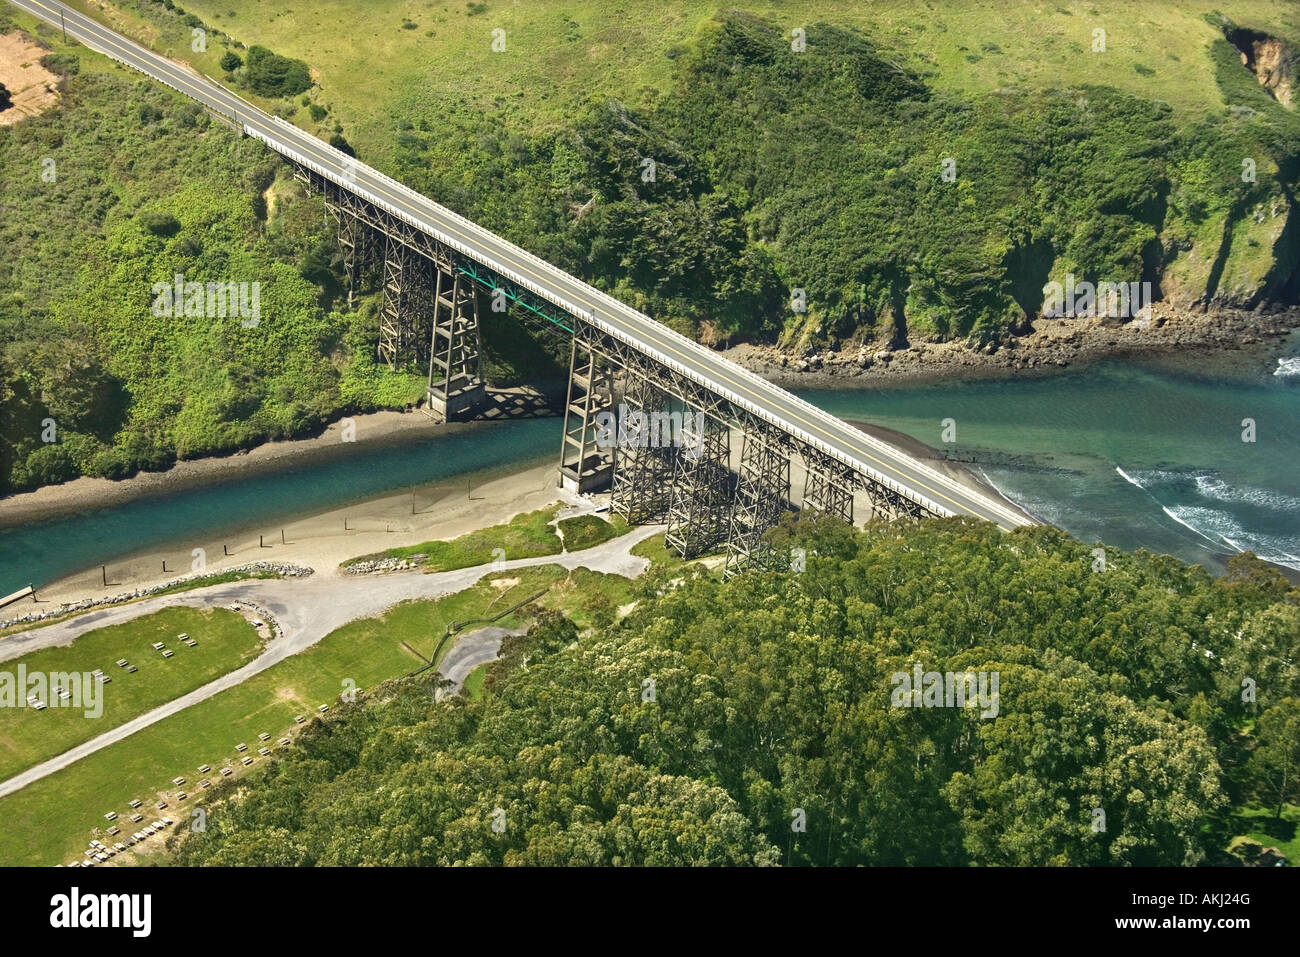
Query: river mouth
[[1199, 463], [1134, 455]]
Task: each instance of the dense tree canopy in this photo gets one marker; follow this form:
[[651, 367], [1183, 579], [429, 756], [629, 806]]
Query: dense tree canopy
[[270, 74], [1118, 717]]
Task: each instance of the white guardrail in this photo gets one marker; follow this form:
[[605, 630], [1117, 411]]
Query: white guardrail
[[345, 161]]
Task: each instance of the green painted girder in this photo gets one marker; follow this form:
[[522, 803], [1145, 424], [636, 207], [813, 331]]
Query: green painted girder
[[488, 282]]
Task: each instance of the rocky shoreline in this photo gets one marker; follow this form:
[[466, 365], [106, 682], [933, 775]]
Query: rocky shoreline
[[1049, 346]]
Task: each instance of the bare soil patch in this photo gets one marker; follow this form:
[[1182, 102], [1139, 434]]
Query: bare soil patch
[[34, 89]]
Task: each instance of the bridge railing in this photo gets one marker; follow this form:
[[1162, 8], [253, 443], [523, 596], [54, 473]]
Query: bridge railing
[[473, 228], [821, 415]]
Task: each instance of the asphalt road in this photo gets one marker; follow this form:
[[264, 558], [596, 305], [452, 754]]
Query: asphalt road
[[806, 422]]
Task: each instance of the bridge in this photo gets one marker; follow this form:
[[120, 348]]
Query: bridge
[[727, 478]]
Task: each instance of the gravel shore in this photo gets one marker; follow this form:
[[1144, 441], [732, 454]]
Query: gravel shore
[[1050, 346]]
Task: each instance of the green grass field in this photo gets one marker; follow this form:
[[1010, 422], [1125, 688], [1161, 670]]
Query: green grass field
[[51, 820], [527, 535], [1259, 825], [558, 55], [586, 531], [225, 642], [473, 688]]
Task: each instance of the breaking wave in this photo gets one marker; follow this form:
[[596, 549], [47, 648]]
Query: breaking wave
[[1223, 527], [1288, 366]]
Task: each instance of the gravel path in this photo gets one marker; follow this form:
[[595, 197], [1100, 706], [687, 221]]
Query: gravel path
[[306, 610]]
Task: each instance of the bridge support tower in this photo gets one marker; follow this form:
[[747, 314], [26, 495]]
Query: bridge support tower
[[762, 495], [643, 469], [699, 506], [587, 451], [404, 314], [456, 389]]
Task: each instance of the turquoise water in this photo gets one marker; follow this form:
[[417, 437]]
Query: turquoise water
[[1122, 454], [1126, 455], [45, 552]]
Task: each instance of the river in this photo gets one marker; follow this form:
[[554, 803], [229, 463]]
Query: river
[[1132, 455], [1128, 454]]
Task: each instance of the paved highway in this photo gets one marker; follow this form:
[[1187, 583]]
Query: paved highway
[[836, 438]]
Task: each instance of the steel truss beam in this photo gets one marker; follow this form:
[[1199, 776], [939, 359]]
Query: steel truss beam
[[344, 202], [762, 494], [889, 504], [644, 459], [534, 307], [828, 486], [456, 388], [699, 506], [666, 380], [586, 464], [347, 205]]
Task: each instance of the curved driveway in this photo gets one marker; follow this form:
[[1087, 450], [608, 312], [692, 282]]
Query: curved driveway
[[307, 609]]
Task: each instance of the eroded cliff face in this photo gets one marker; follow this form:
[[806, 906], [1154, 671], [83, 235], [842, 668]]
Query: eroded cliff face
[[1273, 62], [1245, 252], [1239, 258]]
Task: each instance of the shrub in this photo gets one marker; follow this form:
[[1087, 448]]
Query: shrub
[[111, 464], [270, 74], [159, 223], [49, 464], [64, 64]]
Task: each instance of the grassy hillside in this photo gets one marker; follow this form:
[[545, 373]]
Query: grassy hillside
[[492, 133], [683, 158], [561, 55]]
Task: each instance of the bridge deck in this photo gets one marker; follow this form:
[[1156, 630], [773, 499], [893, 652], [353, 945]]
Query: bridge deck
[[802, 420]]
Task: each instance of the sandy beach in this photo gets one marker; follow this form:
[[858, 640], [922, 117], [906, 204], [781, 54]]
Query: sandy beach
[[322, 541]]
